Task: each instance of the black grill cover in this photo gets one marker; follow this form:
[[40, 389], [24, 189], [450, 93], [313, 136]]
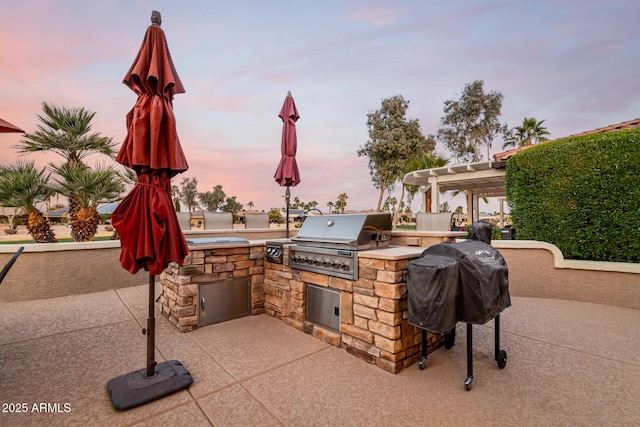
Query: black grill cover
[[456, 282]]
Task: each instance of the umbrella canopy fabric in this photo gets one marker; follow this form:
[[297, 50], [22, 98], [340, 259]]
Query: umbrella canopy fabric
[[146, 220], [287, 173], [151, 236], [8, 127], [152, 140]]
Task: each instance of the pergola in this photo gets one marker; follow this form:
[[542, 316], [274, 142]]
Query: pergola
[[481, 179], [476, 180]]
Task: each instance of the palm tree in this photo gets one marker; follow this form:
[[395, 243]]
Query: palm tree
[[342, 202], [531, 132], [23, 185], [428, 161], [91, 187], [67, 132], [330, 206], [296, 203], [250, 205]]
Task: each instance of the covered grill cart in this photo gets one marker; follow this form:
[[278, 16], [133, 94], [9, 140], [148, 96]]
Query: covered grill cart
[[459, 282]]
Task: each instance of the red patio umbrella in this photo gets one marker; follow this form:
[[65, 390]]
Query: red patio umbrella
[[146, 219], [287, 174], [8, 127]]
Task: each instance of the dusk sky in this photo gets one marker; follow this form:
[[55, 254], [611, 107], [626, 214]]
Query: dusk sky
[[574, 64]]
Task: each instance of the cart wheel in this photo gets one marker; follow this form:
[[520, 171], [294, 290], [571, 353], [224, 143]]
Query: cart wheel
[[502, 359], [468, 383], [421, 364]]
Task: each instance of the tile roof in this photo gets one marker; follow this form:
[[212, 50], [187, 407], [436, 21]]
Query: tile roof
[[630, 124]]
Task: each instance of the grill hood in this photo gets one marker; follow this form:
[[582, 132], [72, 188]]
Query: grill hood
[[349, 231]]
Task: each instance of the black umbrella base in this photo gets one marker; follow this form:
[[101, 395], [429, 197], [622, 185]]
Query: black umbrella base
[[135, 388]]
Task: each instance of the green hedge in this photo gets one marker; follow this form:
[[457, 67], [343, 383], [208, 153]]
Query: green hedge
[[582, 194]]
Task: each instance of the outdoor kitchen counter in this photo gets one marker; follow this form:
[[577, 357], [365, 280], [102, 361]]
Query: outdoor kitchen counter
[[232, 265], [200, 247], [424, 239], [373, 323], [393, 253]]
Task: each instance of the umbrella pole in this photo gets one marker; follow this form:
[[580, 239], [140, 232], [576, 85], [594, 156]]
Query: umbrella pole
[[157, 380], [151, 328], [287, 197]]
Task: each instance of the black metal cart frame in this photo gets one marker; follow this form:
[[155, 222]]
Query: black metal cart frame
[[449, 341]]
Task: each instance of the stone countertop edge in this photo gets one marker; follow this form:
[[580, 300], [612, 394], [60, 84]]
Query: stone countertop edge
[[250, 243], [392, 252]]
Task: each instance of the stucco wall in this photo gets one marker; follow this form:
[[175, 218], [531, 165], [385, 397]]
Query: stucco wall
[[49, 270], [64, 269], [538, 269]]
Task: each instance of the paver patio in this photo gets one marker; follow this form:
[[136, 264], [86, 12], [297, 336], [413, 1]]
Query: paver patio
[[569, 363]]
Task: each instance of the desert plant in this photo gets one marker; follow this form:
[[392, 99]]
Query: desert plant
[[91, 187], [24, 185]]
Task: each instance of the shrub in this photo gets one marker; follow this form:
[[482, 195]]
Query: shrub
[[581, 194], [496, 233]]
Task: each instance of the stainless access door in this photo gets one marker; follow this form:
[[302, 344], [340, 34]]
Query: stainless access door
[[323, 306], [226, 300]]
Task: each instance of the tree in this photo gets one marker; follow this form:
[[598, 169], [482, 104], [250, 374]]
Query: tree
[[91, 187], [311, 205], [23, 185], [390, 205], [342, 202], [330, 206], [296, 203], [471, 122], [393, 140], [67, 132], [213, 201], [275, 215], [231, 205], [250, 205], [189, 192], [530, 132]]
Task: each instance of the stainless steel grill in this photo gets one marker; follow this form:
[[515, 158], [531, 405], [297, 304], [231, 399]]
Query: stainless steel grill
[[329, 244]]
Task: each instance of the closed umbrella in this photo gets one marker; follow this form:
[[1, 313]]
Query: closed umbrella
[[8, 127], [287, 174], [145, 219]]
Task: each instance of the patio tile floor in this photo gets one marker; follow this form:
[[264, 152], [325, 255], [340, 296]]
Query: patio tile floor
[[569, 363]]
